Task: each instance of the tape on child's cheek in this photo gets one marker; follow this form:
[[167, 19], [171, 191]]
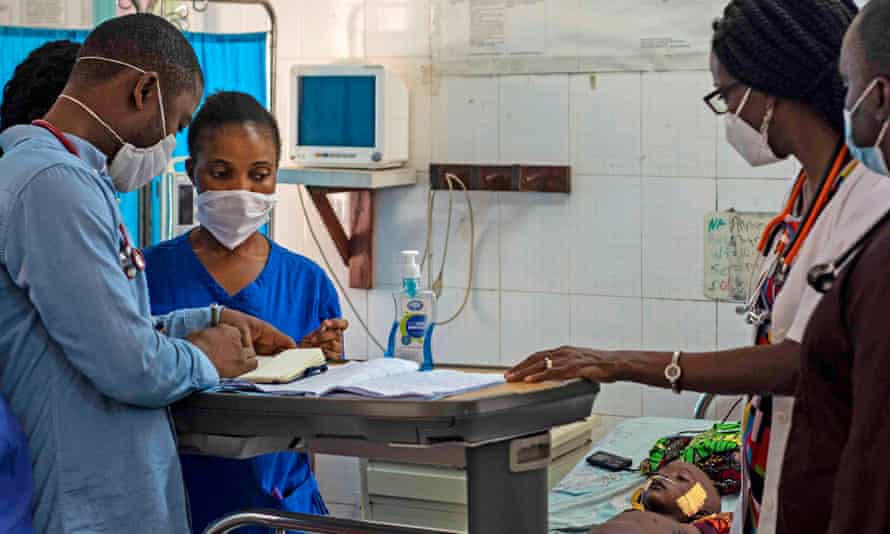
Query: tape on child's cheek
[[692, 502]]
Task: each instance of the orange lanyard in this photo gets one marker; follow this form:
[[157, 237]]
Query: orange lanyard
[[787, 255]]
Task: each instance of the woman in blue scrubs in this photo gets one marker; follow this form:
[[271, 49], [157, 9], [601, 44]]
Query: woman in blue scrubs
[[235, 147]]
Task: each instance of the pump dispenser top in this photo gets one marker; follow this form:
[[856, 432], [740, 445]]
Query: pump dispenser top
[[410, 272]]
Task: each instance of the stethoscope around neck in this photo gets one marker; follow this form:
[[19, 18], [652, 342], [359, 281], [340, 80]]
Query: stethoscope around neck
[[822, 277]]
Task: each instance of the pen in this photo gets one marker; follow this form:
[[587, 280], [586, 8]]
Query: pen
[[215, 314]]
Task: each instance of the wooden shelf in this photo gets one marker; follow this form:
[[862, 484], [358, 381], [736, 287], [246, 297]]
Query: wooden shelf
[[350, 179], [356, 247]]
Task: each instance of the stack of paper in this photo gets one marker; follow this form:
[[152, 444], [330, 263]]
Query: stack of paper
[[390, 378]]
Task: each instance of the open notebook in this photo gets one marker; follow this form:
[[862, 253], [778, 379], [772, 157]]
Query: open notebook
[[285, 367], [381, 378]]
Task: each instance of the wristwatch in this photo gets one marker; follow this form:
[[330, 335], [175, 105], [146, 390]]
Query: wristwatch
[[673, 372]]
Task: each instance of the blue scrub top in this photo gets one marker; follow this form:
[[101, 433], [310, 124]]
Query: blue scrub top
[[293, 294]]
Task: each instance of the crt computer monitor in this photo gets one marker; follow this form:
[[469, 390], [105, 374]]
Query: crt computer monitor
[[348, 116]]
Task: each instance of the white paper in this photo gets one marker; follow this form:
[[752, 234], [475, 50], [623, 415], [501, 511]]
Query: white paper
[[347, 375], [472, 37], [386, 378], [427, 385]]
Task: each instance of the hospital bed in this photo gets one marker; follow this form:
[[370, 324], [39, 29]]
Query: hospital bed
[[500, 435], [585, 497]]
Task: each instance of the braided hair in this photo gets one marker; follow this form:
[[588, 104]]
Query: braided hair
[[37, 82], [788, 49]]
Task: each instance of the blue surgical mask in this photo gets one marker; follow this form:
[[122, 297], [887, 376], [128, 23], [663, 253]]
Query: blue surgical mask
[[872, 157]]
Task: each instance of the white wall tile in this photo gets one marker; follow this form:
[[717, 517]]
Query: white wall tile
[[731, 165], [334, 29], [535, 242], [679, 131], [605, 124], [236, 19], [381, 313], [679, 325], [356, 339], [532, 322], [610, 323], [673, 236], [288, 224], [473, 339], [465, 120], [732, 330], [400, 224], [486, 266], [605, 254], [676, 325], [398, 28], [534, 119], [752, 194]]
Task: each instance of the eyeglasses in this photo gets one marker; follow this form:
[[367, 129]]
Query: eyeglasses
[[716, 99]]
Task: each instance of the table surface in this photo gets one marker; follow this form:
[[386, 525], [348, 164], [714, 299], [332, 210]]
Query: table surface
[[506, 409]]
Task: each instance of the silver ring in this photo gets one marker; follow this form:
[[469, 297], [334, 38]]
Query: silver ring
[[548, 362]]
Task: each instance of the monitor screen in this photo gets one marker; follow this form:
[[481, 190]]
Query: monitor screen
[[337, 111]]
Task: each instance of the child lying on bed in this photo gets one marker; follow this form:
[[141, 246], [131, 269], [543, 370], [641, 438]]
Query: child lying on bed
[[678, 499]]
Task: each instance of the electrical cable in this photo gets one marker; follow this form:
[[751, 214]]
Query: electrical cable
[[472, 255], [451, 179], [336, 278]]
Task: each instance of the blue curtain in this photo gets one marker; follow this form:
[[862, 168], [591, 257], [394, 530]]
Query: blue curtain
[[233, 62]]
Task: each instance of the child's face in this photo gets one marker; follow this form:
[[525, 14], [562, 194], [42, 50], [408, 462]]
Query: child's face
[[673, 492]]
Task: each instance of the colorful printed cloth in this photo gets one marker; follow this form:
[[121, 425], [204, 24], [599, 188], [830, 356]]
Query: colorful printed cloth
[[715, 451], [715, 524]]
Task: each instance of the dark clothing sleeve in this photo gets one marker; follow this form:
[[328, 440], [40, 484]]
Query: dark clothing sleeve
[[861, 496]]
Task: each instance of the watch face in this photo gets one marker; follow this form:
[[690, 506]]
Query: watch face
[[672, 372]]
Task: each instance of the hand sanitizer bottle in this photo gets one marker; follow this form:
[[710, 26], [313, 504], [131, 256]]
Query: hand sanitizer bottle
[[415, 316]]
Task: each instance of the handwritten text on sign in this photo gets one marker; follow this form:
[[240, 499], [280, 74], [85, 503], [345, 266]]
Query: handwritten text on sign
[[731, 252]]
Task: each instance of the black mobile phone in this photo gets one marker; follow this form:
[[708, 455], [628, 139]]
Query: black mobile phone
[[608, 461]]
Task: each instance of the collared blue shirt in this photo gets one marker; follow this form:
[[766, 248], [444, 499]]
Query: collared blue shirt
[[82, 364]]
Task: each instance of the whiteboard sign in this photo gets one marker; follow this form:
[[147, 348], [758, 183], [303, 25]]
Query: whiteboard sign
[[731, 255]]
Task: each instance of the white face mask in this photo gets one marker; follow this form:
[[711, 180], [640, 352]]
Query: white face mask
[[132, 167], [233, 216], [748, 142]]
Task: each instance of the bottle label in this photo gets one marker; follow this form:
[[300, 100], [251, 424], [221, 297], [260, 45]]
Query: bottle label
[[413, 328]]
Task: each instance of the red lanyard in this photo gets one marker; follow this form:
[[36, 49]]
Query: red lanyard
[[131, 258]]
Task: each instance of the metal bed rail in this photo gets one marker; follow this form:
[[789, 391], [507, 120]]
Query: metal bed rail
[[285, 521]]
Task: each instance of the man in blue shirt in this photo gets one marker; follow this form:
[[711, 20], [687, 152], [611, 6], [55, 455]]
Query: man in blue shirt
[[84, 367]]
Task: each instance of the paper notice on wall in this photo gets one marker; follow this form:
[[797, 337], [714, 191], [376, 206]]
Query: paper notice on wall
[[5, 15], [584, 35], [731, 256], [44, 12]]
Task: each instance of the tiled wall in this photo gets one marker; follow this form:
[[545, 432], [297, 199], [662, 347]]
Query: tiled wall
[[617, 264]]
